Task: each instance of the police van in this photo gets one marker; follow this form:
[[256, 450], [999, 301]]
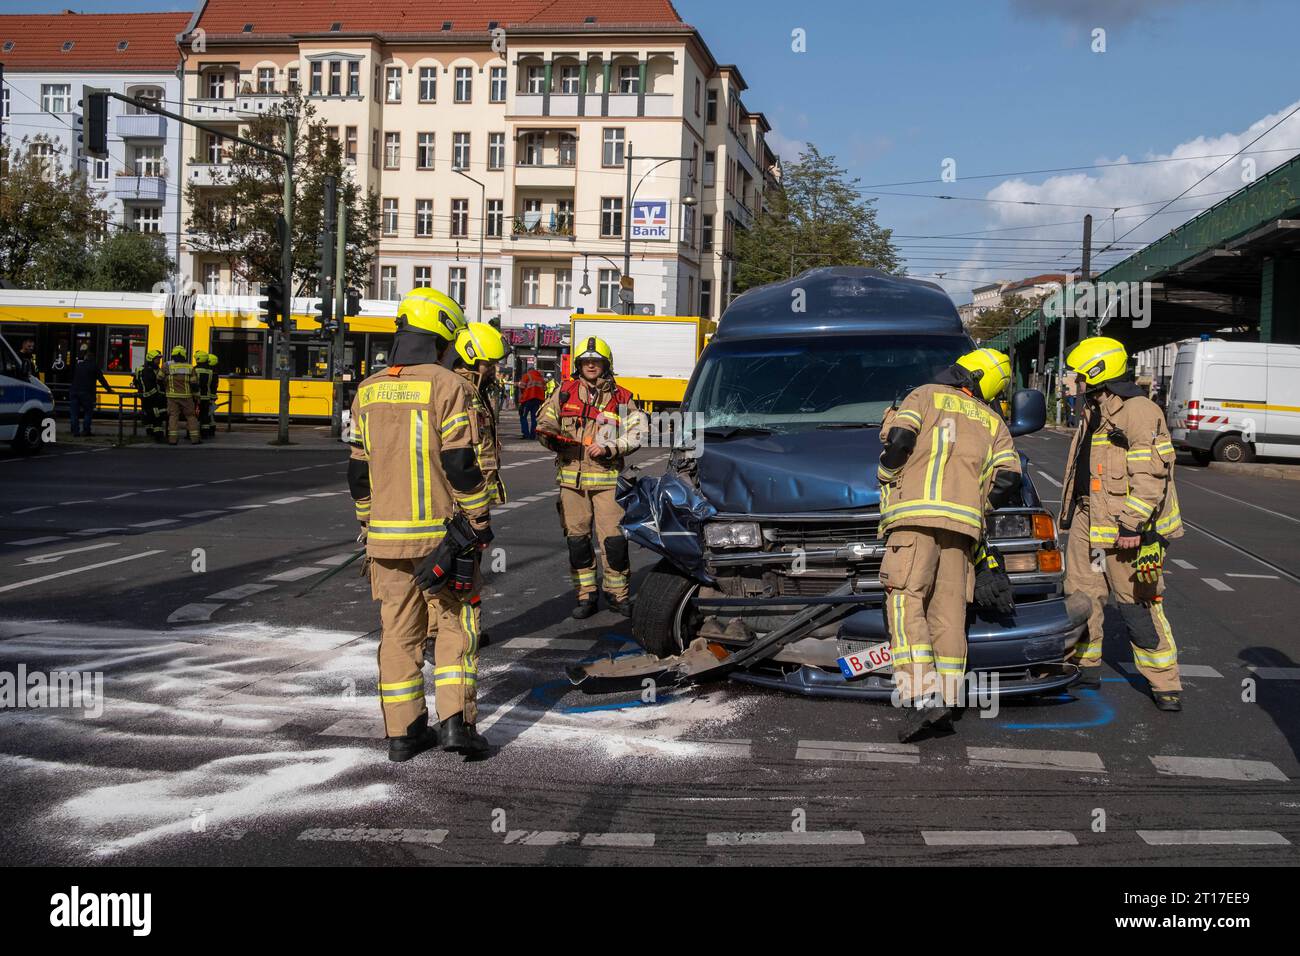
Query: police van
[[25, 403], [1231, 401]]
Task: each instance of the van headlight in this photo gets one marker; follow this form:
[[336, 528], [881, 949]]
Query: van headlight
[[732, 534], [1010, 526]]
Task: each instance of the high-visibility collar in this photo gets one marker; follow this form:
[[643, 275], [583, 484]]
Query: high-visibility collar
[[575, 407]]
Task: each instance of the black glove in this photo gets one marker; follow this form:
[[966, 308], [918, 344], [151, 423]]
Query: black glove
[[432, 571], [992, 585], [1118, 438], [464, 567]]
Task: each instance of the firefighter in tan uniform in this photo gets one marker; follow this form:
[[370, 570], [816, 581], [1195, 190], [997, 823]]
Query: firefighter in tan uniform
[[592, 424], [1120, 506], [422, 502], [948, 458], [182, 397]]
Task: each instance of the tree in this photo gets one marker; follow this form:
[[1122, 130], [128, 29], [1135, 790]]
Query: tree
[[816, 217], [995, 321], [239, 223], [50, 218], [129, 261]]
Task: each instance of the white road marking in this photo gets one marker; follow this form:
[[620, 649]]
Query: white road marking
[[1276, 673], [203, 514], [63, 574], [240, 592], [293, 574], [197, 484], [789, 838], [618, 839], [1217, 584], [59, 555], [127, 494], [1049, 479], [1239, 501], [336, 560], [1218, 768], [86, 532], [28, 542], [1213, 838], [508, 507], [248, 477], [862, 751], [1185, 565], [1185, 670], [551, 643], [485, 723], [999, 838], [153, 491], [327, 494], [27, 511], [1018, 759], [1228, 544], [80, 501], [541, 837], [286, 501], [374, 835], [154, 524], [1256, 577], [369, 728], [303, 468], [193, 612], [247, 507]]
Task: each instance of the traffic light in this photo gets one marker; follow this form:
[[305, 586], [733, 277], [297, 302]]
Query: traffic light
[[271, 306], [353, 303], [94, 122], [325, 312]]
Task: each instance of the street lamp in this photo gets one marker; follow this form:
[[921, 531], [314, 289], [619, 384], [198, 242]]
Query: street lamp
[[482, 231], [631, 198], [585, 288]]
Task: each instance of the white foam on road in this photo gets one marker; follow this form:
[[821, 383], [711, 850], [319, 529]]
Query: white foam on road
[[374, 835], [1218, 768]]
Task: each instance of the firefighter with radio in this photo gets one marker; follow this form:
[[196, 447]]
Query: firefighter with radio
[[153, 403], [203, 373], [422, 502], [1120, 512], [592, 424], [182, 393], [948, 458]]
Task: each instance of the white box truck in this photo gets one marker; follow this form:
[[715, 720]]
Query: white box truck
[[1233, 401], [654, 356]]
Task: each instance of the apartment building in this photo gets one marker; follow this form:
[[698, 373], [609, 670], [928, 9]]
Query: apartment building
[[49, 58], [509, 121]]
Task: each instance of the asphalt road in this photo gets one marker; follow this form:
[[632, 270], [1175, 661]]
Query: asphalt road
[[240, 726]]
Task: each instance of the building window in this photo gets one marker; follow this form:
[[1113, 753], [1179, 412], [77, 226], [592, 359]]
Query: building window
[[4, 103], [266, 79], [423, 277], [690, 293], [295, 84], [101, 168], [568, 149], [607, 300], [460, 218], [424, 217], [146, 218], [564, 288], [460, 150], [456, 284], [352, 144], [43, 155], [464, 84], [710, 167], [496, 217], [424, 151], [707, 241], [564, 216], [496, 150], [390, 217], [612, 152], [532, 151], [392, 150], [498, 88], [336, 77], [492, 288], [711, 108], [212, 279], [611, 217], [216, 150], [393, 84], [316, 68], [536, 80], [428, 84], [697, 96], [688, 226], [376, 84], [388, 283], [56, 97], [530, 286], [629, 79], [146, 160], [706, 298], [216, 86], [569, 77], [354, 78]]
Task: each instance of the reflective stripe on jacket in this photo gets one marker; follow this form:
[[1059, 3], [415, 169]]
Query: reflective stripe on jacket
[[578, 416], [180, 380]]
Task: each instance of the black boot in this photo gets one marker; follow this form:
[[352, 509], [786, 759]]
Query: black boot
[[1089, 678], [923, 715], [459, 737], [1170, 702], [419, 737], [621, 608], [585, 609]]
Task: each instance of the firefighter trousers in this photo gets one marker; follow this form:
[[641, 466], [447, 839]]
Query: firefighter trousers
[[404, 612], [580, 511], [1097, 572], [176, 409], [929, 577]]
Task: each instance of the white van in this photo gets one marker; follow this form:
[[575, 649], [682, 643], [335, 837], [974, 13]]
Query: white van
[[25, 403], [1232, 401]]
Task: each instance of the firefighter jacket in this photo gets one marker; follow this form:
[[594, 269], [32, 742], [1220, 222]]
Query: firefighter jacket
[[204, 376], [146, 383], [1130, 488], [214, 383], [578, 416], [408, 423], [180, 380], [488, 450], [960, 444]]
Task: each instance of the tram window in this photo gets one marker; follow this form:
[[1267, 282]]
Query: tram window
[[124, 349], [309, 357], [241, 353]]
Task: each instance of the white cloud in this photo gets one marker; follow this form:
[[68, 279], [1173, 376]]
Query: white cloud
[[785, 147]]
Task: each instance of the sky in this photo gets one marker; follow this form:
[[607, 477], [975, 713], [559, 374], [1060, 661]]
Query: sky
[[997, 92]]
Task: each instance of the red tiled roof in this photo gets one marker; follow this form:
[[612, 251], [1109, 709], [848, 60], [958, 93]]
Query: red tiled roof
[[1036, 280], [38, 40], [224, 17]]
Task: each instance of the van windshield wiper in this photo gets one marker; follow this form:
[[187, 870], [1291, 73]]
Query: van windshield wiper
[[829, 426], [735, 431]]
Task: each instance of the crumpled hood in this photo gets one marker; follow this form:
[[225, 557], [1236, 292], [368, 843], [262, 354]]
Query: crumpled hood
[[795, 473]]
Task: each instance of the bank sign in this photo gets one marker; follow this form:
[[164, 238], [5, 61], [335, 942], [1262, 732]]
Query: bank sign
[[650, 219]]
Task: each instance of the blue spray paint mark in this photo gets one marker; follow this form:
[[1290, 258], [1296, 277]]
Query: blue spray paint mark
[[1105, 714]]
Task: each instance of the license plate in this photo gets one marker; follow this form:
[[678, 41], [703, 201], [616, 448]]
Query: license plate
[[873, 658]]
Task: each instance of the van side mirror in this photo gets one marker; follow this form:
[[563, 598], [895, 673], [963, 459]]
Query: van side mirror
[[1028, 412]]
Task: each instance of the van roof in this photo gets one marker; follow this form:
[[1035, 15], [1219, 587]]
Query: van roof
[[839, 299]]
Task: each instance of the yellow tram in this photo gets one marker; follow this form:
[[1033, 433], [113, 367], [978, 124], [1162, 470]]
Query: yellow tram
[[119, 328]]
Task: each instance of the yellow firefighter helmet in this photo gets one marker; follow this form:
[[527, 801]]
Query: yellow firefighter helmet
[[212, 359], [178, 352], [593, 348], [990, 368], [479, 342], [1098, 360], [200, 357], [429, 310]]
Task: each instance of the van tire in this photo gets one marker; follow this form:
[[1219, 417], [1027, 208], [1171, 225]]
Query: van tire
[[1233, 448], [660, 600], [27, 439]]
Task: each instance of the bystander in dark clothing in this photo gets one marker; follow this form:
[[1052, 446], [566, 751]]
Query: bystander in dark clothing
[[81, 397]]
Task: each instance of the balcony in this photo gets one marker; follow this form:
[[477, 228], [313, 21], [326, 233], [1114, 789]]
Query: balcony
[[212, 111], [257, 104], [543, 226], [142, 188], [206, 174], [146, 125], [529, 176]]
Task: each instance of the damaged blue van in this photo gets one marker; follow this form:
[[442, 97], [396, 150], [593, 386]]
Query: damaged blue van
[[777, 509]]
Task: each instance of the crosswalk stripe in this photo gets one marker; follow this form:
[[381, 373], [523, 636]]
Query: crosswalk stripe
[[1218, 768], [193, 613], [1185, 670], [1213, 838], [859, 751], [999, 838], [789, 838], [1276, 673], [293, 574], [158, 523], [240, 592], [374, 835], [548, 643], [1018, 759]]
